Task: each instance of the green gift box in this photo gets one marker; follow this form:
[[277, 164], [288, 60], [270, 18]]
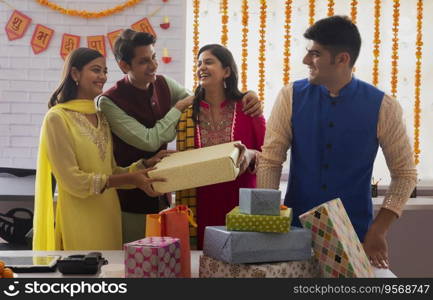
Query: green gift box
[[259, 223]]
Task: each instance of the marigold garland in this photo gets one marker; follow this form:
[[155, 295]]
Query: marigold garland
[[88, 14], [287, 36], [195, 38], [417, 106], [262, 50], [331, 4], [312, 7], [244, 65], [394, 69], [224, 20], [376, 42], [353, 10]]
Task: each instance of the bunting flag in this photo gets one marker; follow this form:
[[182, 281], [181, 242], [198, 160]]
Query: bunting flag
[[17, 25], [112, 36], [143, 25], [69, 43], [97, 42], [41, 38]]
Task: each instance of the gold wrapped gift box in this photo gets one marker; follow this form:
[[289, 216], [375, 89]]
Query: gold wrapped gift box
[[213, 268], [198, 167]]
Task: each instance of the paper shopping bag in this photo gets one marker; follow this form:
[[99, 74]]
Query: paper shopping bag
[[174, 223]]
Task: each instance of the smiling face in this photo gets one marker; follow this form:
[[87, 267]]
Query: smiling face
[[142, 69], [210, 71], [321, 64], [91, 78]]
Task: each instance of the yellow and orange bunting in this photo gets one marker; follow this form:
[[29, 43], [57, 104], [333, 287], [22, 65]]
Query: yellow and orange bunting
[[262, 50], [144, 25], [97, 42], [88, 14], [112, 37], [70, 42], [41, 38], [354, 11], [331, 5], [195, 37], [244, 64], [224, 21], [17, 25], [417, 105], [394, 57], [376, 42], [287, 36], [312, 9]]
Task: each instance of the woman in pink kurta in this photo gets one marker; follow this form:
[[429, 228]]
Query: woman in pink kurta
[[219, 118]]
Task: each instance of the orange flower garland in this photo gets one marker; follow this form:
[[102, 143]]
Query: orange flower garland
[[417, 108], [244, 65], [287, 27], [312, 6], [262, 50], [195, 38], [394, 69], [224, 20], [331, 4], [376, 42], [88, 14], [353, 10]]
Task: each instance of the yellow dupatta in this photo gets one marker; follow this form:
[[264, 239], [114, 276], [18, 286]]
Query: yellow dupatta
[[43, 222]]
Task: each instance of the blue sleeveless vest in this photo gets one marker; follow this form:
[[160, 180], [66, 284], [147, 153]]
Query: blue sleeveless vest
[[333, 149]]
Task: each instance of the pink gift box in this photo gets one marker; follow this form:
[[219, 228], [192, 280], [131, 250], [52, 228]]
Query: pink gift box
[[152, 257]]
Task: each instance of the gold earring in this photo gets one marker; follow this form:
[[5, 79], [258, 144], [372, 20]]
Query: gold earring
[[76, 82]]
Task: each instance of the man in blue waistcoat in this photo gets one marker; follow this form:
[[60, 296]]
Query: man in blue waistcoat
[[333, 123]]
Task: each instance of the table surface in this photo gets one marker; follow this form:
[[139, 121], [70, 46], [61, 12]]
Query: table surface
[[117, 257]]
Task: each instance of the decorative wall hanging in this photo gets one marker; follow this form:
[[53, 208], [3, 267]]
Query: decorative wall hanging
[[195, 38], [376, 42], [287, 37], [97, 42], [17, 25], [112, 36], [224, 21], [88, 14], [262, 50], [394, 57], [244, 63], [41, 38], [331, 4], [69, 43], [417, 106]]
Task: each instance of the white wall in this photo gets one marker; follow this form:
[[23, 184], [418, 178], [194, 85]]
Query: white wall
[[27, 80], [209, 14]]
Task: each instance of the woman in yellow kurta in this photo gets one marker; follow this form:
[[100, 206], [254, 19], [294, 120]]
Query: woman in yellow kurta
[[76, 146]]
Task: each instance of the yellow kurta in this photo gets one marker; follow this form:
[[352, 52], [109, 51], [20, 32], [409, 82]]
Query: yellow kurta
[[81, 159]]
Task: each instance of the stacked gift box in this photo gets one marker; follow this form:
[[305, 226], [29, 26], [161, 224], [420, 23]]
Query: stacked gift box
[[153, 257], [335, 242], [258, 241]]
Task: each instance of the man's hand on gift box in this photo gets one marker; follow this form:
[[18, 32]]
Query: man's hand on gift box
[[144, 183], [246, 156], [376, 248], [375, 244], [151, 162]]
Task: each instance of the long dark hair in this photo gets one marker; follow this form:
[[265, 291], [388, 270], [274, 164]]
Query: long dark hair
[[67, 89], [232, 91]]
